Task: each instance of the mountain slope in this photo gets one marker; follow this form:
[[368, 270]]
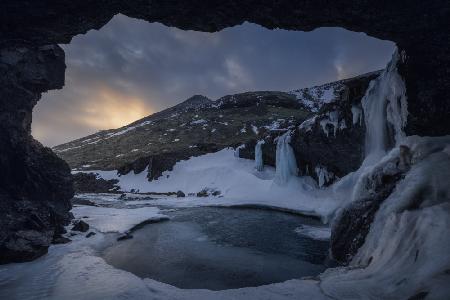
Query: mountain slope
[[193, 127], [200, 125]]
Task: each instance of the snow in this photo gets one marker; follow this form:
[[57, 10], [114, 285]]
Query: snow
[[308, 124], [259, 163], [315, 97], [314, 232], [286, 164], [255, 129], [106, 219], [199, 121], [238, 182]]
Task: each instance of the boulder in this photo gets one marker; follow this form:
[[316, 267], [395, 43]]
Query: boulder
[[80, 225]]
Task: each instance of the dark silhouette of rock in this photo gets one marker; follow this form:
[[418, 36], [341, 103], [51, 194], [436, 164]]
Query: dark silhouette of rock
[[61, 240], [125, 236], [79, 201], [90, 234], [180, 194], [89, 183], [80, 225]]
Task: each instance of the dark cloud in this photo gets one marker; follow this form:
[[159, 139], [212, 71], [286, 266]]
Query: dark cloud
[[131, 68]]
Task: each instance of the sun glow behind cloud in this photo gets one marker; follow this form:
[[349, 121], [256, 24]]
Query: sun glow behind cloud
[[131, 68], [108, 109]]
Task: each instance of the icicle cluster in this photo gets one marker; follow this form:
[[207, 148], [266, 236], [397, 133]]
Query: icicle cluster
[[385, 105], [286, 165]]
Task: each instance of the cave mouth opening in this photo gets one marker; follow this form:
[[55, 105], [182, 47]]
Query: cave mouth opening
[[131, 68]]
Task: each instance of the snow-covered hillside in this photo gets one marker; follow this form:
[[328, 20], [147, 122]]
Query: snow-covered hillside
[[236, 181]]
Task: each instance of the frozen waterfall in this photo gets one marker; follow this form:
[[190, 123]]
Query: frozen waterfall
[[286, 165], [259, 163], [385, 111]]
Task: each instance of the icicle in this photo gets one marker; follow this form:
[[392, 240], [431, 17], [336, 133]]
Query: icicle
[[236, 151], [357, 115], [384, 105], [286, 164], [259, 163], [323, 175]]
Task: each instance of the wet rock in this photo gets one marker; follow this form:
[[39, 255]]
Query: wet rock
[[61, 240], [180, 194], [80, 225], [126, 236], [90, 234], [203, 193], [80, 201]]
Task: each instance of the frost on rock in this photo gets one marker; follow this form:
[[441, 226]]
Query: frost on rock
[[407, 249], [331, 118], [286, 164], [385, 107], [315, 97], [308, 124], [259, 163]]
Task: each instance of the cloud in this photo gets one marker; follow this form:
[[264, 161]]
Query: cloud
[[131, 68]]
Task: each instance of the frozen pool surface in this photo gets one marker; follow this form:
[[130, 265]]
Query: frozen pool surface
[[221, 248]]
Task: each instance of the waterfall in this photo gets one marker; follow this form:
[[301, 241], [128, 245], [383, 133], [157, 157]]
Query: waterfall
[[286, 165], [259, 163], [385, 110]]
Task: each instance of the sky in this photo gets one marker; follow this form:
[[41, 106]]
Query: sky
[[131, 68]]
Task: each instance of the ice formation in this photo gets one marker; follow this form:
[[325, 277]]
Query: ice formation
[[259, 163], [407, 248], [385, 106], [323, 175], [331, 118], [356, 115], [286, 164], [236, 152]]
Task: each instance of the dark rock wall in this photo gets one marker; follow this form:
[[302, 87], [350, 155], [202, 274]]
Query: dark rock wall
[[89, 183], [35, 184]]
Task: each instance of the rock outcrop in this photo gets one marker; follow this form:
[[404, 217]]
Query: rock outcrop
[[330, 144], [35, 185], [90, 183]]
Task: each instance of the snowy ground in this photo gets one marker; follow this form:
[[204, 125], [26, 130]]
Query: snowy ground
[[239, 184]]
